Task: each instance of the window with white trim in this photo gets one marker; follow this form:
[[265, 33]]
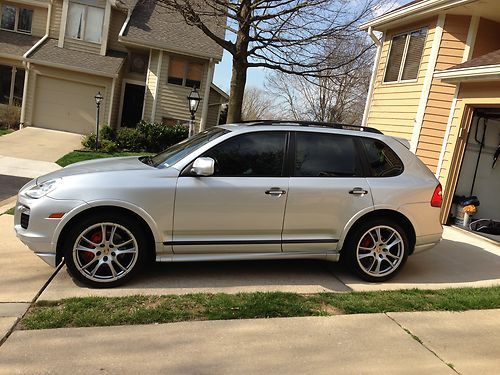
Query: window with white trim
[[16, 19], [85, 22], [184, 73], [405, 56]]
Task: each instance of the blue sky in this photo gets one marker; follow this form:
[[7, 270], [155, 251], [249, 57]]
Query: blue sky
[[256, 76]]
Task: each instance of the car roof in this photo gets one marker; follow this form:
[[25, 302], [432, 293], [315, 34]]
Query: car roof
[[308, 124]]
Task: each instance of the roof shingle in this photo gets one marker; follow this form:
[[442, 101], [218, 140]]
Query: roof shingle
[[492, 58], [49, 52], [15, 43], [153, 25]]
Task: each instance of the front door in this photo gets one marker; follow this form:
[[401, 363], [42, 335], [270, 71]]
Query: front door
[[240, 208], [326, 190], [133, 100]]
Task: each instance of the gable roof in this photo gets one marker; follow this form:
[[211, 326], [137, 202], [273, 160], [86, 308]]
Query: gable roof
[[154, 26], [50, 54]]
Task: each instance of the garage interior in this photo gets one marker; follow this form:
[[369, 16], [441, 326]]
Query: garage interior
[[479, 179]]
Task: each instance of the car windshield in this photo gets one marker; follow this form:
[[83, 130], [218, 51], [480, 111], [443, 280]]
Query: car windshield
[[176, 152]]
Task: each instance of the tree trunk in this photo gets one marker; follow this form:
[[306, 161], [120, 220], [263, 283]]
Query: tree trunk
[[238, 82]]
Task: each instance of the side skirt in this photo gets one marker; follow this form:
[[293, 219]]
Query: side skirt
[[332, 256]]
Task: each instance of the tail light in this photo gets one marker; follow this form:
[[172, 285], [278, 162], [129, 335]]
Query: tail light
[[437, 196]]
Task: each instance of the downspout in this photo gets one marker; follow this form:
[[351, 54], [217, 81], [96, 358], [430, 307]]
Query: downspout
[[27, 65], [369, 96], [204, 109]]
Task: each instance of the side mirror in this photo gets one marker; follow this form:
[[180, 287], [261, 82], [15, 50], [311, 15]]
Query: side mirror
[[203, 167]]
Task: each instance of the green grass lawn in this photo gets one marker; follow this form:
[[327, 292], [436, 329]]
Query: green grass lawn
[[4, 131], [76, 156], [107, 311]]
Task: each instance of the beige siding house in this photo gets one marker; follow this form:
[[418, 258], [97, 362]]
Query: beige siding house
[[436, 83], [55, 55]]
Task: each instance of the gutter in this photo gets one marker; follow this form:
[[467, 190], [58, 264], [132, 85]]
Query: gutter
[[137, 43], [422, 8], [27, 65], [369, 96]]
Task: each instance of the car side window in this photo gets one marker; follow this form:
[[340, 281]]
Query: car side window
[[258, 154], [325, 155], [382, 160]]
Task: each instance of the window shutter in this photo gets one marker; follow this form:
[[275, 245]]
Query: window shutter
[[176, 68], [414, 55], [395, 58]]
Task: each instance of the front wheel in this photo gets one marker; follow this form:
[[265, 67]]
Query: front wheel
[[105, 250], [377, 250]]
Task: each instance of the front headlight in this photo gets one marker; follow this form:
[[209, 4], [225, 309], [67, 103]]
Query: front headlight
[[43, 189]]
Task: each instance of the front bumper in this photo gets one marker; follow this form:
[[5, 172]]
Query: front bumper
[[38, 231]]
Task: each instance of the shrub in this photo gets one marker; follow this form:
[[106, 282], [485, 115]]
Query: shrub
[[105, 145], [10, 116], [107, 132], [88, 141], [158, 137], [130, 139]]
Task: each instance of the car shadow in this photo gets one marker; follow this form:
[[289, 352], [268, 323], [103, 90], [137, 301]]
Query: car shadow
[[449, 264]]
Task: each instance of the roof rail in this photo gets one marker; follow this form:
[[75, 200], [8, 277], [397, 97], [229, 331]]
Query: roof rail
[[310, 123]]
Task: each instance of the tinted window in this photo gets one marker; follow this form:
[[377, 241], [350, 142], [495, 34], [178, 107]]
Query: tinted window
[[383, 162], [252, 154], [325, 155]]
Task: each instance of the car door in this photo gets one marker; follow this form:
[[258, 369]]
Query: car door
[[240, 207], [326, 190]]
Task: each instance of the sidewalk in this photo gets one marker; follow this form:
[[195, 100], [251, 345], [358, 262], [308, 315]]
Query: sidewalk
[[434, 343]]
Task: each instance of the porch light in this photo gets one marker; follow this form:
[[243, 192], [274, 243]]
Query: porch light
[[193, 103], [98, 100]]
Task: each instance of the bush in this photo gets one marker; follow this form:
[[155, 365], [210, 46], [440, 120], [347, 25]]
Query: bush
[[148, 136], [130, 139], [105, 145], [88, 141], [10, 116], [108, 133], [158, 137]]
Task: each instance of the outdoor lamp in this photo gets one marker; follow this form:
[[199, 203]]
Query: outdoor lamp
[[98, 100], [193, 103]]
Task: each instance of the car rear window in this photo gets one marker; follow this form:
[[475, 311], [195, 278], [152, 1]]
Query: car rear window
[[325, 155], [382, 160]]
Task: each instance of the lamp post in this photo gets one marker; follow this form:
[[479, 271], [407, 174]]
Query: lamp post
[[193, 103], [98, 100]]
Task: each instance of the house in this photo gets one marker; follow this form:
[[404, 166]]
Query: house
[[56, 55], [436, 82]]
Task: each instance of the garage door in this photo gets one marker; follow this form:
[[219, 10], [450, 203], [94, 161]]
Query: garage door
[[65, 105]]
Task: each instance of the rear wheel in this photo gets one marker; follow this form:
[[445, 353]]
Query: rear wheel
[[105, 250], [377, 250]]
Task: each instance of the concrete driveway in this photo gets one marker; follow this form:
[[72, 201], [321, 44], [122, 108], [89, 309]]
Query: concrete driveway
[[31, 152], [460, 260]]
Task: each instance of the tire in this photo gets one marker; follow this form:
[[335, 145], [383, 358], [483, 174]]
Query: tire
[[110, 262], [377, 249]]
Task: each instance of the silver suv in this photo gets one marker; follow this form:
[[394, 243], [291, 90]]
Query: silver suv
[[261, 190]]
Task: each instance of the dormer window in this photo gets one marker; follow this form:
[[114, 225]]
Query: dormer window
[[16, 19], [405, 56], [85, 22]]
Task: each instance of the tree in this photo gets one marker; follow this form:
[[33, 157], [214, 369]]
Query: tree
[[256, 105], [284, 35], [338, 96]]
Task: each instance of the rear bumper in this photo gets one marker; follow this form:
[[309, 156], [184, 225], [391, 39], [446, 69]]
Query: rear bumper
[[426, 242]]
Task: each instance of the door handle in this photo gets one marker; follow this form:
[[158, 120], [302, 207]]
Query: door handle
[[358, 191], [275, 192]]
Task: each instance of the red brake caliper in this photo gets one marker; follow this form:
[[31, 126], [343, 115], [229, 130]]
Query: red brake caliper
[[95, 238]]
